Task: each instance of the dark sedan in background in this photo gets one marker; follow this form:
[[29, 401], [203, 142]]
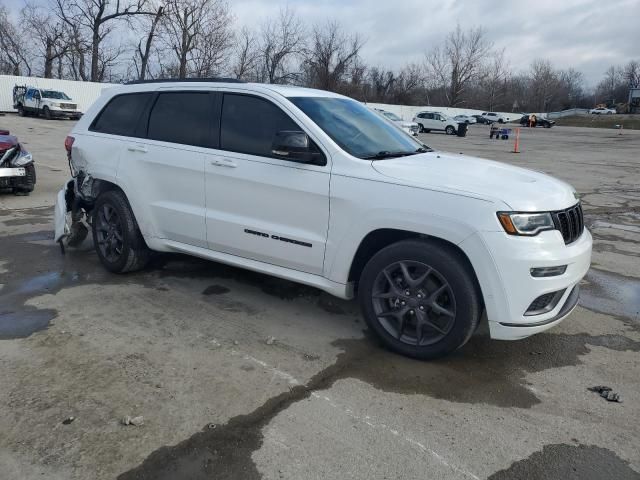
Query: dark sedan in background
[[540, 122]]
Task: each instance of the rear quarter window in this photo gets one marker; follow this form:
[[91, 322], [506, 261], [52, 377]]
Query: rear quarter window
[[122, 114], [182, 117]]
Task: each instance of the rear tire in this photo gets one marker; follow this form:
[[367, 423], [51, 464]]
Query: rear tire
[[449, 130], [116, 236], [420, 298], [21, 111]]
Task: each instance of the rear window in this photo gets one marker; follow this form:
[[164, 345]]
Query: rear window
[[121, 115], [182, 117]]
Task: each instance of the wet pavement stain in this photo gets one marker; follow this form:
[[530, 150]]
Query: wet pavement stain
[[569, 462], [612, 294], [23, 323], [215, 290], [483, 371]]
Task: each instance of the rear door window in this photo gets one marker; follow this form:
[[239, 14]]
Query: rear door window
[[121, 115], [182, 117], [249, 124]]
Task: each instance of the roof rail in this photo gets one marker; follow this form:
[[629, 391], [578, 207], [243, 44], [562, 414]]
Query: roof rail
[[186, 80]]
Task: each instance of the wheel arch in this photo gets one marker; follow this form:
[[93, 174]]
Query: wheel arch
[[378, 239]]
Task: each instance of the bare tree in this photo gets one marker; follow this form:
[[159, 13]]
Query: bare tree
[[13, 54], [613, 88], [632, 73], [198, 32], [97, 18], [409, 85], [49, 33], [544, 85], [246, 54], [143, 52], [330, 56], [572, 87], [493, 79], [282, 38], [457, 63]]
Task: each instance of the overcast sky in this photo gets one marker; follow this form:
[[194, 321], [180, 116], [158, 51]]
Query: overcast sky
[[589, 35]]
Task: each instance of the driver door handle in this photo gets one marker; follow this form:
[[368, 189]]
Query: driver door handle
[[137, 148], [221, 162]]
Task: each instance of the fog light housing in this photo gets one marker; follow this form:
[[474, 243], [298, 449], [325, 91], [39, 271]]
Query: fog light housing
[[539, 272], [544, 303]]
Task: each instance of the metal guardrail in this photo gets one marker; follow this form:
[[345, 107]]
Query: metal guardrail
[[568, 113]]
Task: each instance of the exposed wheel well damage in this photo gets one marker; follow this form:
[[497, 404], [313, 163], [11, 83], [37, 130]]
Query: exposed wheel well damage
[[381, 238]]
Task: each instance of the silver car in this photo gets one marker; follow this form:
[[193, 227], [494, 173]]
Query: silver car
[[411, 128]]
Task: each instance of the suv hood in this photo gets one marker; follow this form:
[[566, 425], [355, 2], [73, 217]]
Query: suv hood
[[521, 189]]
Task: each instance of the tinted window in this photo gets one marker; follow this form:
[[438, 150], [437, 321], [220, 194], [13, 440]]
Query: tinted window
[[249, 124], [181, 117], [121, 115]]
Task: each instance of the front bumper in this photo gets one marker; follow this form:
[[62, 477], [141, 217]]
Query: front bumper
[[509, 288], [65, 113], [13, 172]]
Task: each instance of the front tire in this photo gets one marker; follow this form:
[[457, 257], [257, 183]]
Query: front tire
[[116, 236], [47, 113], [420, 298]]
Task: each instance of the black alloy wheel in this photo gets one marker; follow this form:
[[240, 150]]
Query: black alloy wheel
[[109, 233], [414, 303]]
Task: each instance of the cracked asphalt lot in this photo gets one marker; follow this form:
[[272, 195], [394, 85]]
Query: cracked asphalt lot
[[183, 344]]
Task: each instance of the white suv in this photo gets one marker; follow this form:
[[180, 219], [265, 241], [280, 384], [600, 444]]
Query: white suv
[[493, 117], [321, 190], [436, 121]]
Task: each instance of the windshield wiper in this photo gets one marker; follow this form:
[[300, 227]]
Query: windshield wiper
[[424, 150], [386, 154]]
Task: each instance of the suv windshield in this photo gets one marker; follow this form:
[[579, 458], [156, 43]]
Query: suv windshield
[[54, 94], [359, 131]]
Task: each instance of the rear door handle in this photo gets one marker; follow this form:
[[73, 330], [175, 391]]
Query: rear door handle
[[137, 148], [221, 162]]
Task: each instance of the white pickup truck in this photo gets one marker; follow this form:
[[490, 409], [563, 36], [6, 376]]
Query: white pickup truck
[[48, 103]]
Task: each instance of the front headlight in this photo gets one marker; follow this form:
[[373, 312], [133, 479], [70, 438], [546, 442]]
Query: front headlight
[[22, 159], [525, 223]]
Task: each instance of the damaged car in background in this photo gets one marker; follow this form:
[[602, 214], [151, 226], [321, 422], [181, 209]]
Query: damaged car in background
[[17, 168]]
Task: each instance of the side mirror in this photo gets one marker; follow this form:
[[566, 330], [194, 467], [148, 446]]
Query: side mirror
[[295, 145]]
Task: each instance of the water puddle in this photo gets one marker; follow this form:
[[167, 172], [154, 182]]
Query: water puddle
[[570, 462], [23, 323], [612, 294]]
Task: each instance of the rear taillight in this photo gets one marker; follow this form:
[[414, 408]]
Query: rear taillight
[[68, 143]]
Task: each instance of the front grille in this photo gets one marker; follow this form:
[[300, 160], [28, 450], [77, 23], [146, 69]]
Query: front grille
[[570, 223], [544, 303], [68, 106]]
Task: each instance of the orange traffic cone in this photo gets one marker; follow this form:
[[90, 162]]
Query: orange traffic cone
[[516, 145]]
